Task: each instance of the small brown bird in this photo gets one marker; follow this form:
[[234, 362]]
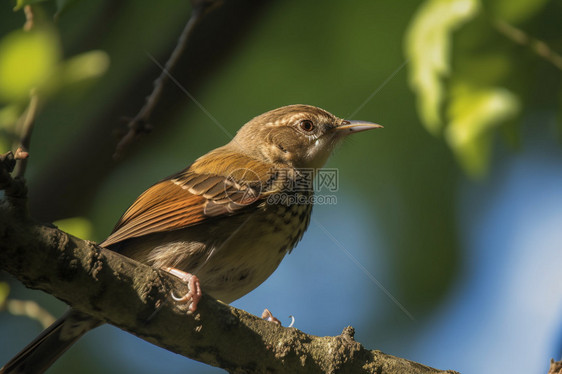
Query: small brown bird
[[229, 218]]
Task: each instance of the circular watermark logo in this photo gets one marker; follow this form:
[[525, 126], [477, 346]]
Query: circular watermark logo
[[243, 186]]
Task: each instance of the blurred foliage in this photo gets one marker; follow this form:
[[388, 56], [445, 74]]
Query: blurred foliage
[[472, 113], [22, 3], [31, 63], [27, 60], [428, 47], [471, 79], [469, 85], [80, 227], [4, 292]]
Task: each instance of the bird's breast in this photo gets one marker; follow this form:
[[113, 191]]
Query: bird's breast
[[254, 248]]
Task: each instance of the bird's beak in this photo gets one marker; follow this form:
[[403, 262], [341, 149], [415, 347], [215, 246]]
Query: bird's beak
[[348, 127]]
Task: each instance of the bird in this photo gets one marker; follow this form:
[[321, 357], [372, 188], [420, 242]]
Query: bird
[[224, 223]]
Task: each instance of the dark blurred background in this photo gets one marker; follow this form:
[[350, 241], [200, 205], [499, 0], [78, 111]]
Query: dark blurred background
[[441, 253]]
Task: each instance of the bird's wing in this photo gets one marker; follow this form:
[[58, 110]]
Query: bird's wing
[[186, 199]]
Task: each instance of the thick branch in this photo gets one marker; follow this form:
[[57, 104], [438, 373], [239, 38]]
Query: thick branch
[[136, 298]]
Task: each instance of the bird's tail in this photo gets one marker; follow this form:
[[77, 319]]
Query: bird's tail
[[46, 348]]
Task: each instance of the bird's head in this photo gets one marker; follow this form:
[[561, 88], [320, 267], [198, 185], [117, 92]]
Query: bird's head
[[301, 136]]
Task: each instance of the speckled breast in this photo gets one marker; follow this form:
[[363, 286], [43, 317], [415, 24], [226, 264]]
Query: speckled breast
[[257, 248], [289, 214]]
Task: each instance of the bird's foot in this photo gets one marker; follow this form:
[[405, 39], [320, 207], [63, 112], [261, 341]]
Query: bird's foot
[[194, 294], [269, 317]]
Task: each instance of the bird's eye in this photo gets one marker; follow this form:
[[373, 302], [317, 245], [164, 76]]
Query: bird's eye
[[306, 125]]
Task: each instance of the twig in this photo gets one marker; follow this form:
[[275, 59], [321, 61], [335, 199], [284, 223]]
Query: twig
[[141, 122], [25, 128], [30, 309], [29, 19], [555, 367], [13, 187], [538, 46]]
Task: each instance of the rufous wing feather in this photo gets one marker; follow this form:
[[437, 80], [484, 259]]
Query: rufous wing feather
[[182, 201]]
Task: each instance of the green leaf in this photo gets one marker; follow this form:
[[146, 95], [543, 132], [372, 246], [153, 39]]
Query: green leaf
[[473, 112], [428, 48], [4, 292], [77, 226], [27, 60], [87, 65]]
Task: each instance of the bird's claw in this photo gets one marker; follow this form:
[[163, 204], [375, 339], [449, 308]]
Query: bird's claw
[[193, 295], [269, 317]]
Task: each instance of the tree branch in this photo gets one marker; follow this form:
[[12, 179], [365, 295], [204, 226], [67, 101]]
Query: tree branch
[[25, 128], [60, 188], [539, 47], [141, 122], [136, 298], [13, 187], [555, 367]]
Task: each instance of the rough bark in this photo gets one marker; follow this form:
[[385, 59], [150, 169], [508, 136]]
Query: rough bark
[[136, 298]]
